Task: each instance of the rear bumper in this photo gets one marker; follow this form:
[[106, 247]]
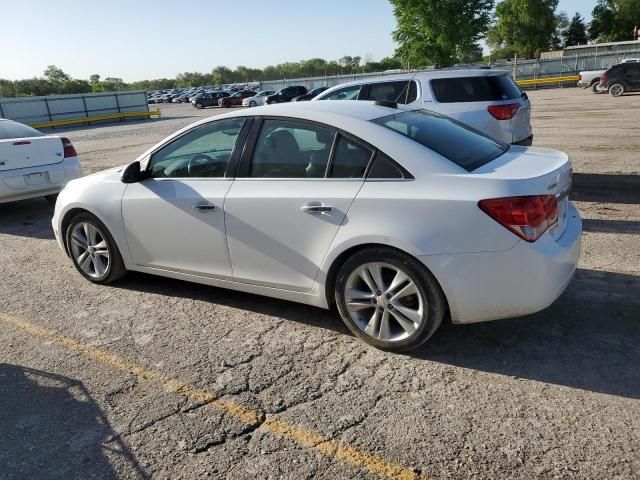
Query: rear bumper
[[14, 184], [520, 281]]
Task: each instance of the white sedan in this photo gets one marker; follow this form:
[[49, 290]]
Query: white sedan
[[400, 216], [257, 100], [33, 164]]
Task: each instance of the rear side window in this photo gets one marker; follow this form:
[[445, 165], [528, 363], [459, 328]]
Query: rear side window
[[397, 92], [350, 159], [10, 129], [475, 89], [460, 144], [385, 168]]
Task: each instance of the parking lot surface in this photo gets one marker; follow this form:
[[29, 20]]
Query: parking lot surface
[[152, 377]]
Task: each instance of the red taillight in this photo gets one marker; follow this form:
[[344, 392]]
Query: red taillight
[[527, 217], [69, 150], [503, 112]]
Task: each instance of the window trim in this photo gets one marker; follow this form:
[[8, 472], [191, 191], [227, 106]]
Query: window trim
[[231, 164]]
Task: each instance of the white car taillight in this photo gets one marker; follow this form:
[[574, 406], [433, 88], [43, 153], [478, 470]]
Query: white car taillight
[[528, 217]]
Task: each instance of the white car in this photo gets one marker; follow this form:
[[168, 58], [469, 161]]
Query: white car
[[590, 79], [399, 216], [488, 100], [33, 164], [257, 100]]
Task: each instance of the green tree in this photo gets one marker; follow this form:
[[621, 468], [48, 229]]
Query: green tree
[[576, 32], [614, 20], [436, 32], [55, 74], [523, 27]]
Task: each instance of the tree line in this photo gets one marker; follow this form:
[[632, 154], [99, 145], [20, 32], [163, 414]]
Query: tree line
[[429, 33], [56, 81]]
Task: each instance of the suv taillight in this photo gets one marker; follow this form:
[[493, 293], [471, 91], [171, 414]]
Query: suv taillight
[[603, 78], [503, 112], [69, 150], [528, 217]]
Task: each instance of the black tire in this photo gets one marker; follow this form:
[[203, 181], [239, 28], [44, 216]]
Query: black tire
[[199, 106], [51, 198], [594, 87], [427, 286], [253, 103], [617, 89], [115, 268]]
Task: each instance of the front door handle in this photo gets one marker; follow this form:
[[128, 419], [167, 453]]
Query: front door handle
[[205, 207], [316, 208]]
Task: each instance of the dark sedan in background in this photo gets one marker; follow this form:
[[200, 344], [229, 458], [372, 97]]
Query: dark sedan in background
[[308, 96], [286, 94], [236, 98], [208, 99]]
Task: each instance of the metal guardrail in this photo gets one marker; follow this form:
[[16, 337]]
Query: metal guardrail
[[95, 118], [542, 81]]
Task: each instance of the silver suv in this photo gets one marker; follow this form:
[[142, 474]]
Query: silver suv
[[488, 100]]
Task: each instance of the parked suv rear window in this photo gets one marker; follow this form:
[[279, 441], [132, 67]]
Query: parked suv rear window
[[10, 129], [462, 145], [475, 89]]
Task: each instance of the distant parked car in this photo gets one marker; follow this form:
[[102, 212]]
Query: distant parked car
[[33, 164], [631, 60], [621, 79], [208, 100], [236, 98], [488, 100], [286, 94], [312, 94], [258, 99]]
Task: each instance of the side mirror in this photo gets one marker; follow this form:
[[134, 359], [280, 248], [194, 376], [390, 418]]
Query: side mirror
[[132, 173]]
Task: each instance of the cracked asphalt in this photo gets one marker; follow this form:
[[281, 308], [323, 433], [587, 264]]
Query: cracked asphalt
[[158, 378]]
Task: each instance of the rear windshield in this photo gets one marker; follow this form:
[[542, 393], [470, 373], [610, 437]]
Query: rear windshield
[[9, 129], [463, 145], [475, 89]]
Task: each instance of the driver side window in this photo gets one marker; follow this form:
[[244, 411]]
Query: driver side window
[[201, 153]]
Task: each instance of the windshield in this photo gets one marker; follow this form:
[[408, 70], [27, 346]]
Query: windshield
[[459, 143]]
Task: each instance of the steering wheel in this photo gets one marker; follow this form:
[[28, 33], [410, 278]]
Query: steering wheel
[[198, 161]]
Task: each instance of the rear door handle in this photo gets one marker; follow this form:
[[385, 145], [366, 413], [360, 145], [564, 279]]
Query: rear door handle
[[316, 208], [205, 207]]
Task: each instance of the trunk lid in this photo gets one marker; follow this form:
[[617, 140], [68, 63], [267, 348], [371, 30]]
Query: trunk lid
[[18, 153], [534, 171]]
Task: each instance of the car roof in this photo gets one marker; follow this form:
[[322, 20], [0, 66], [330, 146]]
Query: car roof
[[358, 109]]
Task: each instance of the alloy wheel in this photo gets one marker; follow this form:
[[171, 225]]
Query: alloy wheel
[[616, 90], [90, 250], [384, 302]]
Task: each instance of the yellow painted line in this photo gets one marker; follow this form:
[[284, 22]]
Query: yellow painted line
[[331, 448], [95, 118], [534, 81]]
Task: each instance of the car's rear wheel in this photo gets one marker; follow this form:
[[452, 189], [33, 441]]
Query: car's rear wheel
[[594, 87], [93, 251], [252, 103], [199, 106], [388, 299], [616, 90]]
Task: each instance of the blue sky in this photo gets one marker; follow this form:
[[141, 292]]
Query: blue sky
[[138, 39]]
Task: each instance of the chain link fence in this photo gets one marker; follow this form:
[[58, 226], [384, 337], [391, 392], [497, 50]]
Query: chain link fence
[[519, 70]]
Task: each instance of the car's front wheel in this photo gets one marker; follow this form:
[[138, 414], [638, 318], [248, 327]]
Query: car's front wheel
[[252, 103], [93, 251], [616, 90], [388, 299]]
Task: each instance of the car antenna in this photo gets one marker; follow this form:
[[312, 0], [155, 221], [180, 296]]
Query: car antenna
[[407, 87]]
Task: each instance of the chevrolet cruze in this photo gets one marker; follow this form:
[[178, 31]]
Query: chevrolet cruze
[[398, 216]]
